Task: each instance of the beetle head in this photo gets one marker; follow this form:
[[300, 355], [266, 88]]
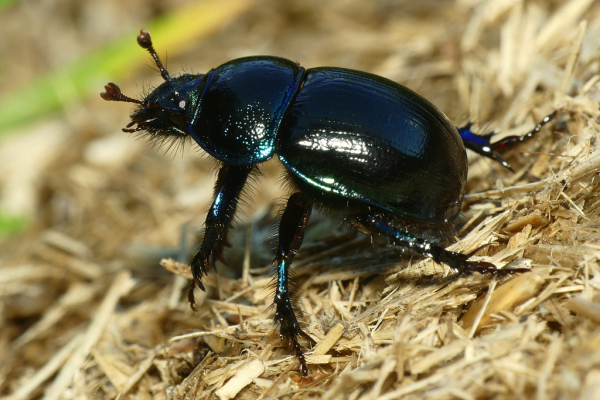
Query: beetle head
[[167, 110]]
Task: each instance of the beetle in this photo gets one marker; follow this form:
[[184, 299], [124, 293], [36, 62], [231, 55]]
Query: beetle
[[352, 142]]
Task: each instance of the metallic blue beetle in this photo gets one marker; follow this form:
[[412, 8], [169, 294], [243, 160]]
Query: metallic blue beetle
[[352, 142]]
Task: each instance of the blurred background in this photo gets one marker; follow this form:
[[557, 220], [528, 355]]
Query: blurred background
[[81, 201], [57, 56]]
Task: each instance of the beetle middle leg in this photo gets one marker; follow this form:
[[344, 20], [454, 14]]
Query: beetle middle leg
[[230, 183], [459, 262], [291, 232]]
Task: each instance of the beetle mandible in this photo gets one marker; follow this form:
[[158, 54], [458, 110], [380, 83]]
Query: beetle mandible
[[353, 142]]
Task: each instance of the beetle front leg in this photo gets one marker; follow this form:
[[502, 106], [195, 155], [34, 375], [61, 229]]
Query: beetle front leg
[[459, 262], [291, 232], [230, 183]]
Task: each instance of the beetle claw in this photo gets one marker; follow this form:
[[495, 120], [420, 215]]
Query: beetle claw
[[191, 297]]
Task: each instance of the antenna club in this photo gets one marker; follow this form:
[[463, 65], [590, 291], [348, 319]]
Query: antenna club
[[144, 39], [113, 92]]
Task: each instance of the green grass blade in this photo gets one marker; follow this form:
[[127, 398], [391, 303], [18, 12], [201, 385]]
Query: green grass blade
[[75, 81]]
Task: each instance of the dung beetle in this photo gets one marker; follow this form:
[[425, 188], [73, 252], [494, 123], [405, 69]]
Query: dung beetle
[[352, 142]]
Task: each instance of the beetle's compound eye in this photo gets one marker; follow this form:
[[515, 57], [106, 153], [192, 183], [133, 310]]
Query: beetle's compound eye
[[181, 101]]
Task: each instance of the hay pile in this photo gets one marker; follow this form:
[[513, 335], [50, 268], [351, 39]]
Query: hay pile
[[88, 313]]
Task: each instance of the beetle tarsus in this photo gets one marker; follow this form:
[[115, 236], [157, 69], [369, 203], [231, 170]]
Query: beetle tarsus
[[289, 328], [482, 144], [459, 262], [203, 260], [191, 297], [484, 267], [510, 140]]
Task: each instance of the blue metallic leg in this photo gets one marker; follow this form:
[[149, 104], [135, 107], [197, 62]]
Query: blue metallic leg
[[374, 224], [291, 233], [230, 182]]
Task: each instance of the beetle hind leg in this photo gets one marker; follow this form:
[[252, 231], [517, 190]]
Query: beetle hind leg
[[459, 262], [482, 144], [291, 234]]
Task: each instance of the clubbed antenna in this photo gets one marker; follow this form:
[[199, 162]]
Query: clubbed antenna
[[113, 93], [145, 41]]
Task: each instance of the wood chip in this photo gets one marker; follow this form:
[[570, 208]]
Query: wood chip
[[505, 297], [330, 340], [242, 378]]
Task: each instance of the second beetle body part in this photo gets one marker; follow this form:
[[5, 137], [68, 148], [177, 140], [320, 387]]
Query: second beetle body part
[[353, 142]]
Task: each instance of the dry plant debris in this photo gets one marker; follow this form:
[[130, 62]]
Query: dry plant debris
[[84, 316]]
